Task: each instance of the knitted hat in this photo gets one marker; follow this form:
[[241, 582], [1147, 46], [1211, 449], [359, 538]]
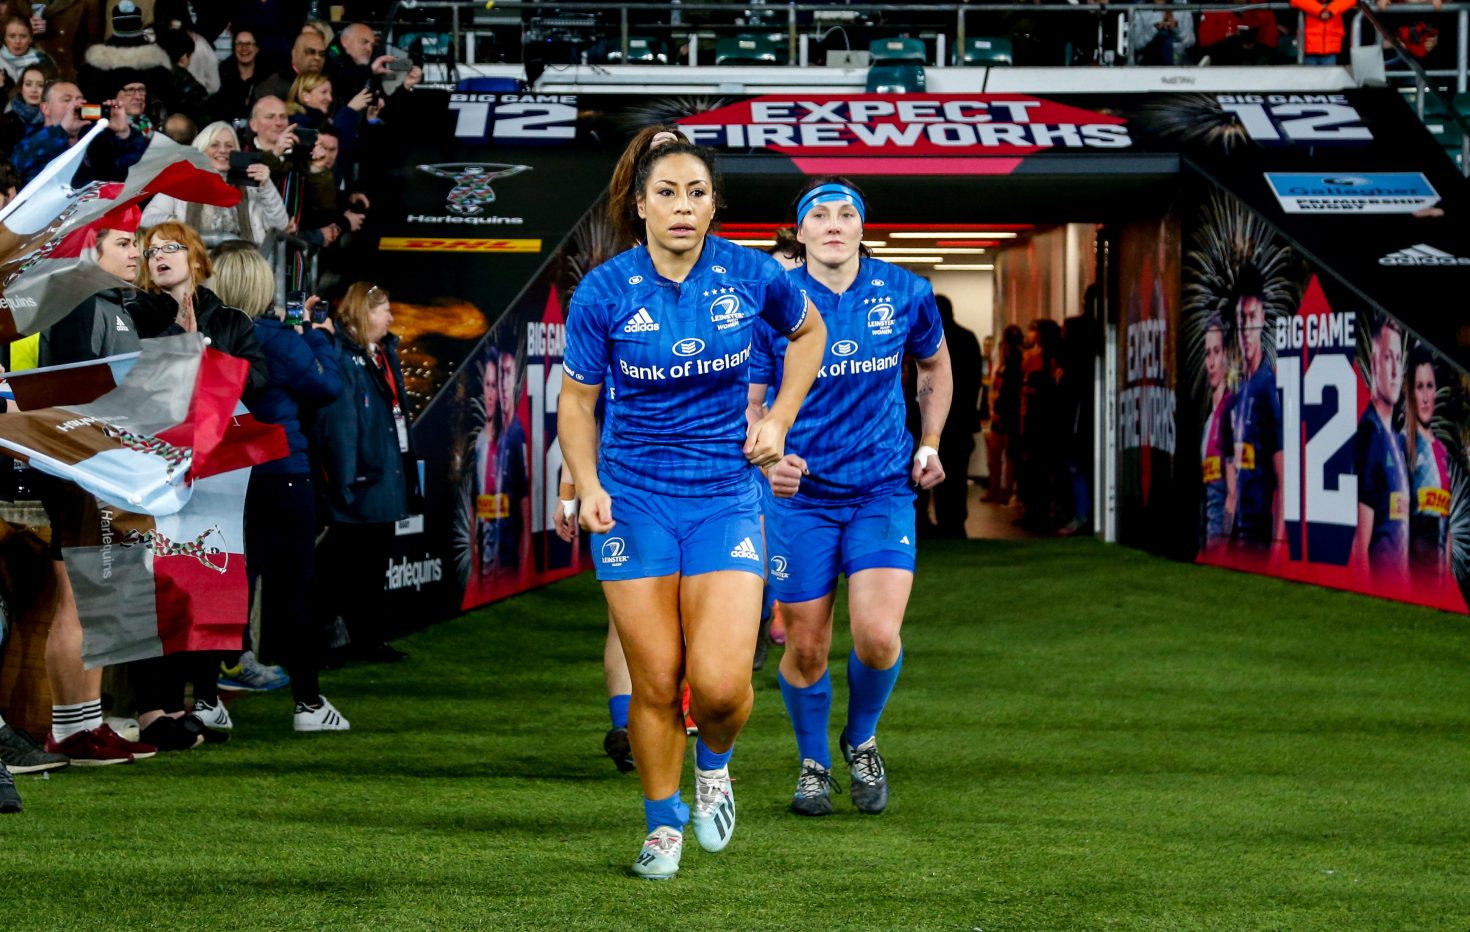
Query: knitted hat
[[127, 20]]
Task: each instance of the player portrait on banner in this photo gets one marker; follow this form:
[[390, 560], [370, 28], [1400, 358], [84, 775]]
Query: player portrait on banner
[[499, 526], [1382, 540]]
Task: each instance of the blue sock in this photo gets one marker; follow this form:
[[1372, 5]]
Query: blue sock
[[867, 693], [671, 812], [705, 759], [617, 708], [810, 708]]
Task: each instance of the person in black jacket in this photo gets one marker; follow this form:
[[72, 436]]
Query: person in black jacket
[[365, 455], [100, 326], [951, 497], [280, 507], [175, 263]]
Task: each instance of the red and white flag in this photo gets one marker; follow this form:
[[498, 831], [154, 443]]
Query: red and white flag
[[140, 445], [149, 585], [45, 267]]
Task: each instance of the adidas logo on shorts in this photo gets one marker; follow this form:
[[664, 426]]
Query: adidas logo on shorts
[[641, 322], [746, 550]]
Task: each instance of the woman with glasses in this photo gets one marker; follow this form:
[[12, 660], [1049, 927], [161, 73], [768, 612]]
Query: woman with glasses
[[174, 267], [238, 76], [369, 479], [256, 219]]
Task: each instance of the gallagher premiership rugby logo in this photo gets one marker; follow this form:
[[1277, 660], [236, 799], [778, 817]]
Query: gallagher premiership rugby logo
[[472, 192], [613, 551]]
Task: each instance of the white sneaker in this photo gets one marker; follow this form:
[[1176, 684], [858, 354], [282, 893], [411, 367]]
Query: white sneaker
[[659, 859], [714, 808], [215, 716], [324, 717]]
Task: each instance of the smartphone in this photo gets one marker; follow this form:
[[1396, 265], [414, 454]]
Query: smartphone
[[94, 111], [38, 9], [239, 162], [295, 308], [306, 138], [321, 311], [401, 64]]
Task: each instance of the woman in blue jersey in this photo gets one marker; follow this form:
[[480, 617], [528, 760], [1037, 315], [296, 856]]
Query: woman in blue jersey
[[844, 499], [669, 494]]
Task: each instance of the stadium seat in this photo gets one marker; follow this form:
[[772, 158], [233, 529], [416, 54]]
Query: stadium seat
[[987, 51], [888, 51], [746, 49], [642, 50], [901, 78]]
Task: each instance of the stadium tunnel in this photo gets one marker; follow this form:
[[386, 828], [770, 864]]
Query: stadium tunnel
[[1343, 203]]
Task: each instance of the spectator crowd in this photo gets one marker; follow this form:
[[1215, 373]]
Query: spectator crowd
[[291, 117]]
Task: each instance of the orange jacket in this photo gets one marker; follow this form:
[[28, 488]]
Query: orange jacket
[[1321, 37]]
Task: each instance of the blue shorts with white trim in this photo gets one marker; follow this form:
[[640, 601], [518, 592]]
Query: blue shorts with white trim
[[659, 535], [810, 542]]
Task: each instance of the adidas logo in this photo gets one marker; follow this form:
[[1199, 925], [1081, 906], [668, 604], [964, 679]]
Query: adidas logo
[[121, 327], [1422, 255], [641, 322], [904, 540], [746, 550]]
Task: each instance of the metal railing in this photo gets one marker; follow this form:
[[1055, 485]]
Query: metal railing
[[690, 28], [1423, 79]]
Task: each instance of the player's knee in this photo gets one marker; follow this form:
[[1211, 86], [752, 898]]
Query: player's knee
[[878, 641], [657, 690], [719, 695], [810, 656]]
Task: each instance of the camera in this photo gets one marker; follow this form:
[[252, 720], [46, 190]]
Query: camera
[[305, 144], [239, 163], [295, 308]]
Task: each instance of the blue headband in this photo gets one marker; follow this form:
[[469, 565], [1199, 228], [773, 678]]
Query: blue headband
[[822, 194]]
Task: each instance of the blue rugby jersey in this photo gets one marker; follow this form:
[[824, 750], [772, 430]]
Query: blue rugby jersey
[[1256, 423], [677, 355], [852, 430], [1383, 485]]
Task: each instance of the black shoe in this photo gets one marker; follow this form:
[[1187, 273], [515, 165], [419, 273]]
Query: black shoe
[[170, 734], [9, 796], [617, 747], [380, 652], [23, 755], [814, 789], [194, 725]]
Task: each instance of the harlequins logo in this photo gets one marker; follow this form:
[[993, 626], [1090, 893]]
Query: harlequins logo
[[472, 192], [158, 545]]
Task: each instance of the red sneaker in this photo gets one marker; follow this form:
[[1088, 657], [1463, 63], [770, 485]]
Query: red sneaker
[[87, 749], [118, 743]]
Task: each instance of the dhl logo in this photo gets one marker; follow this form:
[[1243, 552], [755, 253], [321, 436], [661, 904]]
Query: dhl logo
[[432, 244], [1211, 469], [1434, 502], [1398, 506], [492, 507]]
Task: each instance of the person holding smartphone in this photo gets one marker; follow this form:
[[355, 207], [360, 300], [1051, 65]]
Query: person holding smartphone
[[260, 214], [280, 506]]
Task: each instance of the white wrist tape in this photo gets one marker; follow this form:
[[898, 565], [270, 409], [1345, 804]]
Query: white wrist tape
[[923, 455], [568, 507]]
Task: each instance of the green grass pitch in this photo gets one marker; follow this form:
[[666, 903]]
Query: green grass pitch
[[1084, 737]]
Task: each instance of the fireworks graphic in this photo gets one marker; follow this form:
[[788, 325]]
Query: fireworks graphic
[[592, 243], [667, 110], [1195, 120], [1230, 244]]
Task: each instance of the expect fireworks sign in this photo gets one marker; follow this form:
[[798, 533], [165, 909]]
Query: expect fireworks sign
[[914, 124]]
